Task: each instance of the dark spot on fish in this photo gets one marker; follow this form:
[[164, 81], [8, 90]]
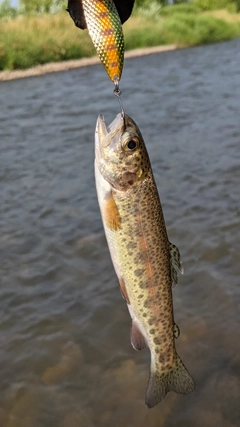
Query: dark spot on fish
[[131, 245], [152, 331], [138, 272], [146, 304], [161, 358], [156, 340]]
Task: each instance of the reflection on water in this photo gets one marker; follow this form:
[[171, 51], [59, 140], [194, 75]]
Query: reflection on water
[[65, 354]]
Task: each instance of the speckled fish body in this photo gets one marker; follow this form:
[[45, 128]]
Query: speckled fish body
[[145, 262], [105, 28]]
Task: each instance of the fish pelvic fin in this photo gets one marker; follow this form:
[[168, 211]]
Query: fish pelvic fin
[[137, 338], [177, 379], [176, 264]]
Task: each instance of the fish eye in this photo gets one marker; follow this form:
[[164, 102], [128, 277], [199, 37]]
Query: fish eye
[[131, 143]]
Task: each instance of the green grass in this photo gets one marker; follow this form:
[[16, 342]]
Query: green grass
[[180, 8], [229, 5], [29, 41]]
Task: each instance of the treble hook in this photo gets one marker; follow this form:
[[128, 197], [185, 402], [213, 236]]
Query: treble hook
[[117, 92]]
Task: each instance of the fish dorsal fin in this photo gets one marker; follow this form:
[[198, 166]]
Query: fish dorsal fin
[[176, 331], [137, 338], [176, 265]]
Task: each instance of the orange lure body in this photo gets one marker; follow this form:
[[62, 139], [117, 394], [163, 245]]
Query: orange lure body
[[105, 28]]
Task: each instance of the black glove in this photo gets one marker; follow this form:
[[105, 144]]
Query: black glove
[[75, 9]]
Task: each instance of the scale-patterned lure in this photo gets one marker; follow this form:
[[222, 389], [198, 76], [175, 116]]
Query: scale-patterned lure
[[105, 28]]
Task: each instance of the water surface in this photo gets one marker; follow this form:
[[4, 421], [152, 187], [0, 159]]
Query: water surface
[[65, 354]]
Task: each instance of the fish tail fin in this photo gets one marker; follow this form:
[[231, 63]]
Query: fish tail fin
[[176, 378]]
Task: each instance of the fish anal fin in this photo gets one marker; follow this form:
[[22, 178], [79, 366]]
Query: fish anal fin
[[111, 213], [174, 276], [176, 331], [177, 379], [176, 265], [137, 338], [124, 290]]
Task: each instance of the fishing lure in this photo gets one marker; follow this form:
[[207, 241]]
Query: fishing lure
[[104, 19], [105, 28]]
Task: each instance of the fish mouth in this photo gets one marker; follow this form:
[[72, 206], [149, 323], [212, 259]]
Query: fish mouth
[[107, 134]]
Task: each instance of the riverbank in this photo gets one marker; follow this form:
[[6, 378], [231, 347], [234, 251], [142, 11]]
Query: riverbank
[[28, 43], [54, 67]]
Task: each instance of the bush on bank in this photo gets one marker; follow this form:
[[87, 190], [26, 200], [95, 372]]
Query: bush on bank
[[230, 5]]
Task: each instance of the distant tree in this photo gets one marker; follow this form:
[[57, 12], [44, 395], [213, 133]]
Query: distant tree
[[36, 5], [238, 5], [59, 4], [6, 10], [45, 6]]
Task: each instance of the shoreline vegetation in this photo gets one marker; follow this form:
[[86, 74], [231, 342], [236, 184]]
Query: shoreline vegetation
[[35, 44], [54, 67]]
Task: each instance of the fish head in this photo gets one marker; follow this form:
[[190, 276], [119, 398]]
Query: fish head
[[120, 152]]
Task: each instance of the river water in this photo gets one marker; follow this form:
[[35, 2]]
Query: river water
[[65, 353]]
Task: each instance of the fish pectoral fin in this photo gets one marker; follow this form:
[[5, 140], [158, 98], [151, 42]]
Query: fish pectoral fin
[[137, 338], [176, 331], [111, 213], [176, 265], [124, 290]]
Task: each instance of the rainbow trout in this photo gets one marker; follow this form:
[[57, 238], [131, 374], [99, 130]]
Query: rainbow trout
[[146, 263]]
